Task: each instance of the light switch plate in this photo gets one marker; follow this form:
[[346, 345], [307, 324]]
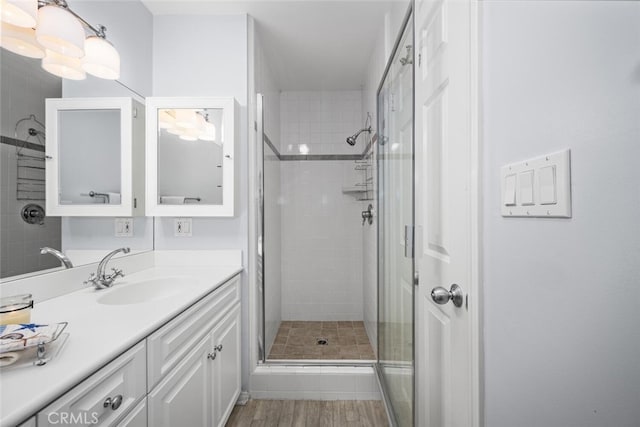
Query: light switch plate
[[182, 227], [551, 187], [124, 227]]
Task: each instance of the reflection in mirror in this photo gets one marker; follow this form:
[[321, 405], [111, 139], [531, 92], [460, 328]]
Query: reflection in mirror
[[190, 156], [89, 140], [24, 226]]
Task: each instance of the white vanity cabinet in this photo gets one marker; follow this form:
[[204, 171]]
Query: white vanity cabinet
[[203, 384], [186, 373], [190, 157], [95, 157]]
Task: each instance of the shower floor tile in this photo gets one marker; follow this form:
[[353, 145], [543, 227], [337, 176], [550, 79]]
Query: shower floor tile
[[342, 340]]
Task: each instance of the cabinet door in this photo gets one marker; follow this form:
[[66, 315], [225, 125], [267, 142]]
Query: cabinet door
[[105, 396], [94, 147], [226, 374], [137, 417], [184, 396]]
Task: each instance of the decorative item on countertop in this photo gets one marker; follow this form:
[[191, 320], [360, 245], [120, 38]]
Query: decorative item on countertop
[[32, 337], [16, 309]]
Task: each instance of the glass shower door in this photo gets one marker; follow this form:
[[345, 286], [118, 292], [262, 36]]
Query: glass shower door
[[395, 231]]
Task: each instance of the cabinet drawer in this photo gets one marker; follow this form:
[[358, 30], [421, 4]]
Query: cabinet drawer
[[85, 403], [172, 342]]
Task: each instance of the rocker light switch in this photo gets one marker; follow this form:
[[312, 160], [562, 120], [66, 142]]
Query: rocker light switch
[[525, 184], [509, 198], [548, 194]]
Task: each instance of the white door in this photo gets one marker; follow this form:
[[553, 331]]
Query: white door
[[445, 153], [184, 397], [226, 373]]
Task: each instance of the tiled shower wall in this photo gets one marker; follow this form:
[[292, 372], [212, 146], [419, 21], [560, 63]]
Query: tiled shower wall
[[319, 122], [321, 225], [23, 89]]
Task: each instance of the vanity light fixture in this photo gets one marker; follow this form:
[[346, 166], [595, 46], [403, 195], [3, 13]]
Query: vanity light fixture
[[50, 30], [188, 124]]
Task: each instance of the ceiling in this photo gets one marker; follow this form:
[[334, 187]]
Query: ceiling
[[310, 44]]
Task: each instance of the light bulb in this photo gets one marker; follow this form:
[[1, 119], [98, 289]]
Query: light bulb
[[101, 59], [58, 30], [21, 41], [186, 118], [209, 133], [63, 66], [165, 119], [190, 135], [21, 13]]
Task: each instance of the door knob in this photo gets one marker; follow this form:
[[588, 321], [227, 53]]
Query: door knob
[[440, 295]]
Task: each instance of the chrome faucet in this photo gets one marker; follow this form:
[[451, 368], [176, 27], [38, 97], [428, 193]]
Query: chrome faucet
[[100, 279], [56, 253]]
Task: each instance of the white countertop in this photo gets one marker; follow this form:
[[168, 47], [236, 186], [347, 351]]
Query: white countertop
[[98, 333]]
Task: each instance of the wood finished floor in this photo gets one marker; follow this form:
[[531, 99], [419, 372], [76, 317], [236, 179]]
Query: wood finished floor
[[306, 413]]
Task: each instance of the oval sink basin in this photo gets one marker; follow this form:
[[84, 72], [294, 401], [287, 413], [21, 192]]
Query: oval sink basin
[[146, 291]]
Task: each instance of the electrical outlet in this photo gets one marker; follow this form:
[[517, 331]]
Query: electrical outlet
[[124, 227], [182, 227]]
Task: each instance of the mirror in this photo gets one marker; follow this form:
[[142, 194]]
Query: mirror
[[89, 139], [190, 156], [25, 225]]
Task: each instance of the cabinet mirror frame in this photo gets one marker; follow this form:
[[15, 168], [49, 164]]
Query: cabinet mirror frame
[[53, 144], [229, 130]]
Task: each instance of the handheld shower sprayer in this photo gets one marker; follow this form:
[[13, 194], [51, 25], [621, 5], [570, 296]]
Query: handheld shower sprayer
[[352, 139]]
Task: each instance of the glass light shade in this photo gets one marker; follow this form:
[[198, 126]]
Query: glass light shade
[[190, 135], [166, 120], [209, 133], [186, 118], [63, 66], [21, 41], [175, 130], [58, 30], [21, 13], [101, 59]]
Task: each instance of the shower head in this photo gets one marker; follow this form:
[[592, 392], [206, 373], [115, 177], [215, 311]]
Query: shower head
[[352, 139]]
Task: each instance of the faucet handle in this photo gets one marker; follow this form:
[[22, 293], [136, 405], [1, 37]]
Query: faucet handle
[[91, 280], [117, 273]]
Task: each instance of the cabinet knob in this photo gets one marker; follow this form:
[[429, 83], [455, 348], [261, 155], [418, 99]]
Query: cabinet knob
[[107, 402], [212, 356], [218, 347], [116, 402]]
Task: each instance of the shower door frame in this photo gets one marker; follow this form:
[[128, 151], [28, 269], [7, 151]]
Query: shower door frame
[[407, 20]]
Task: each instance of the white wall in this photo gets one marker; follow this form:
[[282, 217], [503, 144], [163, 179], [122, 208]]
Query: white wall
[[130, 29], [562, 325], [321, 243], [207, 56], [24, 86], [320, 121]]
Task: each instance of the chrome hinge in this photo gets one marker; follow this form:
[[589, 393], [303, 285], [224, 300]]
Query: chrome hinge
[[255, 125], [419, 60], [408, 241]]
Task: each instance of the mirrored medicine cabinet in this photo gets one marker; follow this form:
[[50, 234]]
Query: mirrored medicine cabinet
[[190, 157], [95, 157]]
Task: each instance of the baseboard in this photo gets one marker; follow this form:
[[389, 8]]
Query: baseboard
[[243, 398]]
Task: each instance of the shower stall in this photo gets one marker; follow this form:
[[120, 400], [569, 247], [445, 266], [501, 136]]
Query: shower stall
[[335, 228], [315, 187]]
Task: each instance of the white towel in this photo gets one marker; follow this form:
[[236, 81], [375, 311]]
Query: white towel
[[114, 198], [172, 200]]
